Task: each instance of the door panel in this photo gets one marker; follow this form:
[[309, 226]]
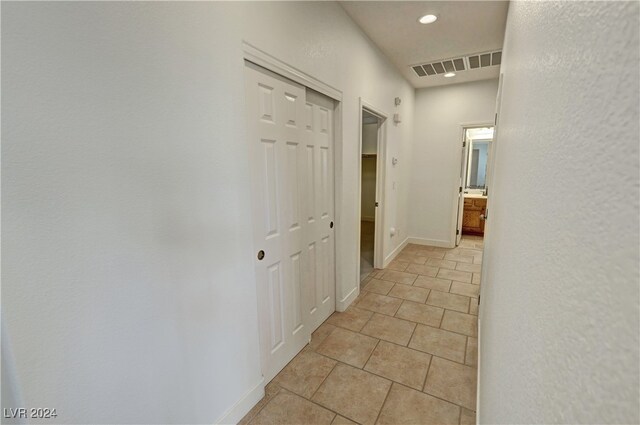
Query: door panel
[[319, 198], [275, 108]]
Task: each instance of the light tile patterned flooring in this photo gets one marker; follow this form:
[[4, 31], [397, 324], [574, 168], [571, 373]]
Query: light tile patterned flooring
[[405, 352]]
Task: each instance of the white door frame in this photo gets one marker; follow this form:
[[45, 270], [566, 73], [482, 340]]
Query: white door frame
[[381, 162], [456, 211]]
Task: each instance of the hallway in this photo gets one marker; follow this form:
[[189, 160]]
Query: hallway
[[404, 353]]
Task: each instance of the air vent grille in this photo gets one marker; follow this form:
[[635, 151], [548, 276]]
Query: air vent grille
[[465, 63]]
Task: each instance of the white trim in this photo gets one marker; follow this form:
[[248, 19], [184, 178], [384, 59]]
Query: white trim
[[432, 242], [343, 304], [259, 57], [235, 413], [395, 252]]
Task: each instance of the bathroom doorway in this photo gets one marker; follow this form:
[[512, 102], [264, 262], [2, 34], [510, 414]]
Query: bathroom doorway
[[474, 190]]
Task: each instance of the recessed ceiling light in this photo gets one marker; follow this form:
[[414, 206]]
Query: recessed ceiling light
[[450, 74], [428, 19]]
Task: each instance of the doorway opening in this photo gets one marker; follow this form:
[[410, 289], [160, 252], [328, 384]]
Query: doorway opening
[[474, 177], [371, 172]]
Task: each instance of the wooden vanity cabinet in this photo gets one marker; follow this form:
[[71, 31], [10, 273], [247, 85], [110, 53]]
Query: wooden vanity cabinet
[[471, 222]]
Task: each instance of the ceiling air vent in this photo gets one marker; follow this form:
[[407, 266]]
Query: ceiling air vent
[[475, 61]]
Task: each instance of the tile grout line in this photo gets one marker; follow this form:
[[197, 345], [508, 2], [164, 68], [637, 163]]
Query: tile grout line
[[384, 402], [325, 378], [424, 383]]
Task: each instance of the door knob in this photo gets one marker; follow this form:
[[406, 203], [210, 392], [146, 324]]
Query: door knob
[[483, 217], [260, 255]]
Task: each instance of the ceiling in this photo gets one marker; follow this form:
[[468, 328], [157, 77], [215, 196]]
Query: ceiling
[[462, 28]]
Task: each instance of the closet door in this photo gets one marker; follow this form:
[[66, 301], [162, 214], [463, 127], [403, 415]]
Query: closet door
[[319, 208], [276, 136]]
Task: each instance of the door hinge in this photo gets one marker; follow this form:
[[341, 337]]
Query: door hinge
[[460, 189], [457, 232], [376, 204], [495, 122], [478, 299], [464, 143]]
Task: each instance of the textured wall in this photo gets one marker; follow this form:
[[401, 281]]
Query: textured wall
[[127, 286], [559, 314], [437, 152]]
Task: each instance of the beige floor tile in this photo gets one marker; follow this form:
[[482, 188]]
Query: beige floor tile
[[398, 265], [389, 329], [459, 258], [466, 289], [468, 252], [378, 286], [348, 347], [445, 264], [420, 313], [412, 258], [471, 359], [353, 393], [405, 406], [320, 334], [476, 279], [467, 417], [288, 408], [422, 269], [353, 319], [400, 364], [304, 374], [434, 254], [271, 390], [439, 342], [415, 249], [380, 304], [471, 268], [408, 292], [341, 420], [473, 306], [455, 275], [449, 301], [453, 382], [466, 324], [442, 285], [399, 277]]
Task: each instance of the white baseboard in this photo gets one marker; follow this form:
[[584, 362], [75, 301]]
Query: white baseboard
[[394, 253], [371, 219], [432, 242], [235, 413], [345, 302]]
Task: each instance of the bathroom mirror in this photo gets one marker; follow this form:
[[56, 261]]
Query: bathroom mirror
[[477, 168]]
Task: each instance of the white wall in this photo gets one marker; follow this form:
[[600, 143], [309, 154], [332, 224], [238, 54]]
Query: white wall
[[437, 154], [559, 315], [128, 293]]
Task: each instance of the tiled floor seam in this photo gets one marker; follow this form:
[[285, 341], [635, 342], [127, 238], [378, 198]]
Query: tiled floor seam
[[390, 342], [390, 380]]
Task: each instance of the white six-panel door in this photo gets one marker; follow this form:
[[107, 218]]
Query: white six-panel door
[[319, 207], [292, 191]]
